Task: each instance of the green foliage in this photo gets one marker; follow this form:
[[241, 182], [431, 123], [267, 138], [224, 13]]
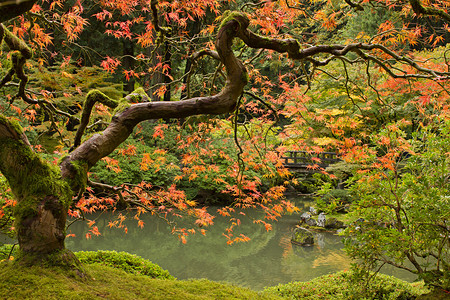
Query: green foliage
[[342, 170], [393, 138], [366, 22], [65, 86], [5, 251], [304, 183], [330, 197], [71, 80], [6, 207], [333, 200], [406, 209], [342, 286], [129, 263], [121, 275]]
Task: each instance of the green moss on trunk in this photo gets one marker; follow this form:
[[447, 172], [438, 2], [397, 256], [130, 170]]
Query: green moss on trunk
[[43, 196], [229, 16], [29, 176]]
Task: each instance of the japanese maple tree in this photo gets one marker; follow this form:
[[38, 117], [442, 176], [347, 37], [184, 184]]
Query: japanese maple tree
[[296, 41]]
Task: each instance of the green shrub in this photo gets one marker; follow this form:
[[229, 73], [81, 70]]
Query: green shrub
[[333, 201], [6, 217], [124, 261], [342, 285], [405, 205], [5, 251]]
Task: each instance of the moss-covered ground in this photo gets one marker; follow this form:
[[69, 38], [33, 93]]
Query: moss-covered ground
[[104, 282]]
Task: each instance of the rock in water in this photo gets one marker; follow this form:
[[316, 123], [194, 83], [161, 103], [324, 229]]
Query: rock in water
[[302, 237]]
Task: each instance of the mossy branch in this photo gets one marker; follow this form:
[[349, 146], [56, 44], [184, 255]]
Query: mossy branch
[[356, 6], [95, 96], [419, 9], [16, 44], [92, 98], [42, 195], [18, 60], [11, 130]]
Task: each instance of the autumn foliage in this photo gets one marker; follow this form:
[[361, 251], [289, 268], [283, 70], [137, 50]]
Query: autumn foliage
[[367, 80]]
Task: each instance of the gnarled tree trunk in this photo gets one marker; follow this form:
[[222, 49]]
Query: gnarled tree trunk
[[43, 197]]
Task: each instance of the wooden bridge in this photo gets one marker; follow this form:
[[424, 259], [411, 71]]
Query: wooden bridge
[[303, 160]]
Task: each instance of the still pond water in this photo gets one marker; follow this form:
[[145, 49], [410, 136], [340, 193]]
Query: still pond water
[[268, 259]]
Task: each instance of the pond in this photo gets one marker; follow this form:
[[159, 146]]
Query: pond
[[267, 260]]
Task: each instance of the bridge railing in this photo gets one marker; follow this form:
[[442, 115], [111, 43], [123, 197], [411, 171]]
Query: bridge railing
[[303, 159]]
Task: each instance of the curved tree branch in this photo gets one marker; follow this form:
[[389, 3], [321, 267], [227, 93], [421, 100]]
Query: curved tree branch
[[155, 19], [95, 96], [91, 98], [122, 124], [18, 60], [356, 6], [192, 63], [294, 51]]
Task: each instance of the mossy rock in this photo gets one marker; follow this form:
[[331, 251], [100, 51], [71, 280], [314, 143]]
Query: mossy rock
[[302, 237], [333, 223]]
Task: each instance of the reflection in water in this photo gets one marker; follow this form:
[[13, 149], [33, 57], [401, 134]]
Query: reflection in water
[[268, 259]]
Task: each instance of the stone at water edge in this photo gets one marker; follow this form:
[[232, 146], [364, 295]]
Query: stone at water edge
[[311, 222], [333, 223], [321, 220], [305, 216]]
